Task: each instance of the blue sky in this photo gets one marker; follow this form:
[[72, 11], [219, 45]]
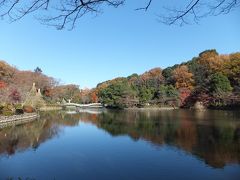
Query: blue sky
[[118, 42]]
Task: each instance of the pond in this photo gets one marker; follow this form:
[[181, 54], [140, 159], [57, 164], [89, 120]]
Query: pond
[[128, 144]]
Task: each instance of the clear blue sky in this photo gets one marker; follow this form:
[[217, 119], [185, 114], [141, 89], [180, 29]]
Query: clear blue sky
[[119, 42]]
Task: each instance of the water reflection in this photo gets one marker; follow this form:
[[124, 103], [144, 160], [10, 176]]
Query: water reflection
[[212, 136], [31, 135]]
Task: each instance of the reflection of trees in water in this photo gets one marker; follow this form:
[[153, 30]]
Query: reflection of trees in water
[[213, 136], [219, 146], [31, 135]]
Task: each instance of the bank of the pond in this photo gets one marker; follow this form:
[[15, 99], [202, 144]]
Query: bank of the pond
[[152, 108], [17, 119], [51, 108]]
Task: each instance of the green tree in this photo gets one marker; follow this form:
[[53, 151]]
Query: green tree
[[220, 89], [117, 95], [167, 93], [145, 95], [38, 70], [219, 83], [167, 74], [199, 72]]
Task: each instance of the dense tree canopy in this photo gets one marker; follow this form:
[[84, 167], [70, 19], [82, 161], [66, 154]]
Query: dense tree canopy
[[210, 78], [220, 83], [183, 78], [232, 68], [15, 84], [118, 94]]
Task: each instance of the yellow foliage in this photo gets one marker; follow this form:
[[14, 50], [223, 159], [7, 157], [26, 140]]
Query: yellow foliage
[[183, 78], [232, 68], [213, 62]]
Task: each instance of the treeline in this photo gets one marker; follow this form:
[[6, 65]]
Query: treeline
[[211, 79], [16, 84]]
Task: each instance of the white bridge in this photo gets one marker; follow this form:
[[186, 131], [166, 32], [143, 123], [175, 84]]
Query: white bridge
[[91, 105]]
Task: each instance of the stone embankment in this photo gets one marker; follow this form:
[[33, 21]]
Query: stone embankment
[[50, 108], [17, 119], [153, 108]]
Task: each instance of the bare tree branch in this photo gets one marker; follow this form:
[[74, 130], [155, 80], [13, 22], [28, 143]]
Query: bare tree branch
[[197, 9], [66, 13], [146, 7]]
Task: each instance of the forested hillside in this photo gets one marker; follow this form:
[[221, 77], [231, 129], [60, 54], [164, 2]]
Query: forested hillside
[[15, 85], [210, 78]]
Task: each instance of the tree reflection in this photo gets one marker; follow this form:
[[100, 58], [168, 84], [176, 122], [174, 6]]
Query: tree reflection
[[212, 136], [31, 135]]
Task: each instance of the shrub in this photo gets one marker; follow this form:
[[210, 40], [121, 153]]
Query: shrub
[[8, 110], [19, 109], [28, 109]]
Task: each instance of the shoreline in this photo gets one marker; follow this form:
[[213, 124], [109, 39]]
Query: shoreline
[[51, 108], [6, 121], [152, 108]]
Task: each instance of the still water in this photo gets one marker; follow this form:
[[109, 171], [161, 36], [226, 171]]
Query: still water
[[129, 144]]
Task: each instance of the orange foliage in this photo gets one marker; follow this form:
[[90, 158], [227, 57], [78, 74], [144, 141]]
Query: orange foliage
[[184, 93], [183, 78], [235, 56], [155, 73], [232, 68], [94, 97], [2, 84], [212, 61], [6, 71]]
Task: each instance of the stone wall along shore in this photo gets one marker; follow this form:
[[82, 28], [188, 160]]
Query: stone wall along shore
[[17, 119]]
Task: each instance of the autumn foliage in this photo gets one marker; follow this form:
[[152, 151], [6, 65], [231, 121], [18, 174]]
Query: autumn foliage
[[15, 96], [2, 84], [183, 78], [15, 84], [210, 78]]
